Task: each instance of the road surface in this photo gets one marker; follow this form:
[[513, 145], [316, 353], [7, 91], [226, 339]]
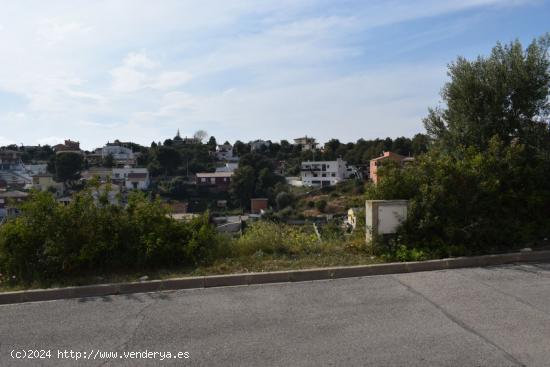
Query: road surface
[[496, 316]]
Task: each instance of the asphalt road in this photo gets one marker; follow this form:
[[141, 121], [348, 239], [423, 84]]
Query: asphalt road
[[469, 317]]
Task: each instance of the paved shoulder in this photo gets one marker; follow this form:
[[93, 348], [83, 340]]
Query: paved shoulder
[[470, 317]]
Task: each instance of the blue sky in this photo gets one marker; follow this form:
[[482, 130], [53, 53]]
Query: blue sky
[[135, 70]]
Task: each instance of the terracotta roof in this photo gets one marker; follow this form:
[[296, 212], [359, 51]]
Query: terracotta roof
[[390, 154]]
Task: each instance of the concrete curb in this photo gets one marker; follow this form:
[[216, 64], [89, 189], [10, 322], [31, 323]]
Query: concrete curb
[[102, 290]]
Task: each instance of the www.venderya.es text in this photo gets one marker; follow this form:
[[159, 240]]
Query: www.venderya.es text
[[95, 354]]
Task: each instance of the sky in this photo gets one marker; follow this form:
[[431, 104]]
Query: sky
[[99, 70]]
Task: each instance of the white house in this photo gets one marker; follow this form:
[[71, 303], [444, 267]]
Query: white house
[[133, 178], [120, 154], [306, 143], [224, 152], [324, 173], [36, 169], [117, 151], [12, 169]]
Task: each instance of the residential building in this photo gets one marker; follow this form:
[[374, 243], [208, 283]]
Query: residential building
[[9, 201], [131, 178], [306, 143], [386, 157], [122, 156], [69, 145], [224, 152], [137, 181], [36, 169], [324, 173], [218, 181], [10, 160], [103, 174], [12, 170], [45, 182]]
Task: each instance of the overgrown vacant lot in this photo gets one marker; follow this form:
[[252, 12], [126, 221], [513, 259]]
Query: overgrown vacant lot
[[91, 241]]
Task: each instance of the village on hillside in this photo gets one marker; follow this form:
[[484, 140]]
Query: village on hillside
[[296, 182]]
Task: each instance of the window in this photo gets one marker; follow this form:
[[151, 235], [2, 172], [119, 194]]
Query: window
[[324, 175], [203, 179], [333, 175]]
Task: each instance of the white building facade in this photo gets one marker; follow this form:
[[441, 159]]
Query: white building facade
[[324, 173], [117, 152], [224, 152], [134, 178]]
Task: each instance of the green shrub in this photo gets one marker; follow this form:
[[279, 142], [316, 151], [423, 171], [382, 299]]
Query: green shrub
[[50, 240], [321, 205], [273, 238]]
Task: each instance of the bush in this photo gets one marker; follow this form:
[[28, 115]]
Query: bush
[[277, 239], [50, 240], [321, 205], [471, 202], [283, 199]]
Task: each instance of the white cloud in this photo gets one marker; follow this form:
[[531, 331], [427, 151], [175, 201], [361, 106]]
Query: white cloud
[[138, 70], [171, 79], [136, 60], [134, 74], [53, 31]]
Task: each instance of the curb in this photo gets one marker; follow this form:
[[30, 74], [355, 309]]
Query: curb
[[102, 290]]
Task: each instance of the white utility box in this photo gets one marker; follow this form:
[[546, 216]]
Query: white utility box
[[384, 216]]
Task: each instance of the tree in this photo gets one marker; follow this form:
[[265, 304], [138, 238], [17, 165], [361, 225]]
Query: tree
[[505, 94], [200, 135], [420, 143], [255, 174], [240, 148], [109, 161], [243, 184], [483, 184], [68, 166], [168, 158], [283, 199], [212, 143]]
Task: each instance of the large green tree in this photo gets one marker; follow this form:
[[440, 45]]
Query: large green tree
[[68, 166], [168, 158], [504, 94], [255, 177], [483, 184]]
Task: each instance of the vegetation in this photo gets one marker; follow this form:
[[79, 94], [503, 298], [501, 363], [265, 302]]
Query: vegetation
[[255, 178], [50, 240], [479, 184], [67, 166], [483, 186]]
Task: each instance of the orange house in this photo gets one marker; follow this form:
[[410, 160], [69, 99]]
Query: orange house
[[377, 162]]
